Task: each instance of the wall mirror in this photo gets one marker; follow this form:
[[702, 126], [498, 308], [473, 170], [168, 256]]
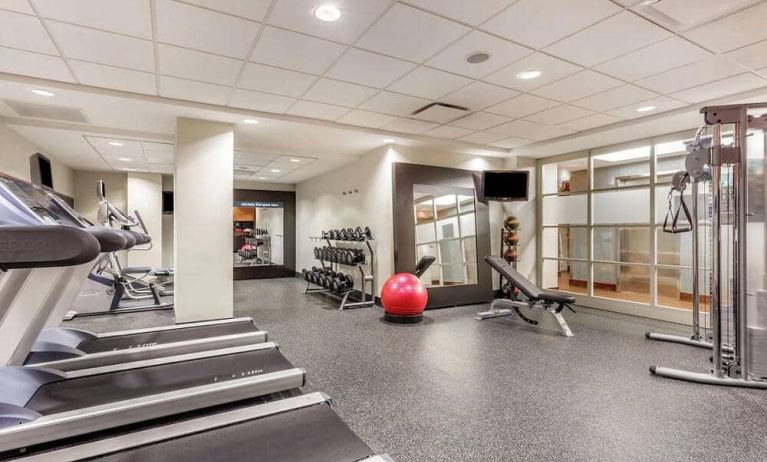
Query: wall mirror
[[445, 227], [258, 233]]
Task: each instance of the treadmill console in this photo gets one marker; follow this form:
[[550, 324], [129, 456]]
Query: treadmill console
[[30, 204]]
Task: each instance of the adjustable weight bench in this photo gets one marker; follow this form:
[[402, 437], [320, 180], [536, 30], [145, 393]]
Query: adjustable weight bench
[[536, 298]]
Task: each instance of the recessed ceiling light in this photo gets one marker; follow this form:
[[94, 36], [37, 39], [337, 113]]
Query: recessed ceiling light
[[478, 57], [262, 178], [295, 160], [124, 159], [645, 108], [327, 13], [275, 170], [115, 143], [250, 121], [388, 140], [39, 92], [527, 75]]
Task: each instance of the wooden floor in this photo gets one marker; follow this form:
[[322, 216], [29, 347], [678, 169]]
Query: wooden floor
[[665, 298]]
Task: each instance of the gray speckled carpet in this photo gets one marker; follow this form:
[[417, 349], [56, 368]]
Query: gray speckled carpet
[[453, 388]]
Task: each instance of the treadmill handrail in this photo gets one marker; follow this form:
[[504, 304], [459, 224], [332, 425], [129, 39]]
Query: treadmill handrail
[[46, 246]]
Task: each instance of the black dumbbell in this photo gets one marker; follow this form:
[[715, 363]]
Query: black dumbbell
[[304, 274], [367, 233]]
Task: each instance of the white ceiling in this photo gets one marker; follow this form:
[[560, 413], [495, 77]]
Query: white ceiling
[[600, 59]]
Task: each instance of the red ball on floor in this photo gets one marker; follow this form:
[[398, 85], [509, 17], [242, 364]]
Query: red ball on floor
[[404, 298]]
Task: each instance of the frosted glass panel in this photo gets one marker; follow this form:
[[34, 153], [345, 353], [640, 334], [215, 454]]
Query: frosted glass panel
[[625, 245], [563, 210], [467, 225], [628, 206], [425, 233], [566, 242], [629, 167]]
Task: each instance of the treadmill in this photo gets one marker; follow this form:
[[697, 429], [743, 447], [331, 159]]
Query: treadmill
[[88, 349], [44, 255]]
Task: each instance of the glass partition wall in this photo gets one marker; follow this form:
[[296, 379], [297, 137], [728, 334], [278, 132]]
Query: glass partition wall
[[601, 226]]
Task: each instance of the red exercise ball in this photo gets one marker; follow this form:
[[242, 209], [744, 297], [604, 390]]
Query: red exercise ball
[[404, 297]]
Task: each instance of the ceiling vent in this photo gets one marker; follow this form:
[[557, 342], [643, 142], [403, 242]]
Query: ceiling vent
[[440, 112], [46, 111], [685, 14]]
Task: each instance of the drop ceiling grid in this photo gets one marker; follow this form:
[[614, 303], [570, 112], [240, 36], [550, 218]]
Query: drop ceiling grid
[[466, 27]]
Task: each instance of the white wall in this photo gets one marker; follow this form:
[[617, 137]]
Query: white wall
[[203, 196], [14, 161], [145, 195], [321, 205], [526, 212], [258, 186]]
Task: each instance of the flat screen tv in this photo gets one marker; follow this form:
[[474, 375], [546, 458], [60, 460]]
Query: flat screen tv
[[167, 202], [504, 185], [40, 170]]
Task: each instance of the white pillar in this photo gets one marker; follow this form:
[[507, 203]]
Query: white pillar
[[203, 197], [145, 196]]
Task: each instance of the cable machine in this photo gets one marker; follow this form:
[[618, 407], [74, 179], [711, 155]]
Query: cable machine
[[732, 161]]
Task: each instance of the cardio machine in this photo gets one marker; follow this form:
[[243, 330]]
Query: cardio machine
[[54, 415]]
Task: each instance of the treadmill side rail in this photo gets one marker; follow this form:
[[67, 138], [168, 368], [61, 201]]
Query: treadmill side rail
[[101, 448], [87, 420], [176, 326], [94, 360]]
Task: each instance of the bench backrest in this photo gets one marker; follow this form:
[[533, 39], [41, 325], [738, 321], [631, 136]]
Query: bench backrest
[[514, 277]]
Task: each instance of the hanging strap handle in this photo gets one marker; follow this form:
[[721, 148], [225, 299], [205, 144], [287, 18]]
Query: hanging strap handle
[[675, 228]]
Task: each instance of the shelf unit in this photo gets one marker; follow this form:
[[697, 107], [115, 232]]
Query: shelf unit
[[504, 246], [366, 272]]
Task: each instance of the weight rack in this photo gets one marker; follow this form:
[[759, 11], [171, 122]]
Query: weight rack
[[367, 278]]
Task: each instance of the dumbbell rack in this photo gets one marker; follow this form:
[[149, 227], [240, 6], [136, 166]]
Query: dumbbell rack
[[504, 246], [367, 278]]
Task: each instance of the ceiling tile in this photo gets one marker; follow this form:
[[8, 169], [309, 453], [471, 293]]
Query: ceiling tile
[[161, 168], [428, 83], [536, 24], [24, 32], [205, 30], [482, 138], [356, 16], [531, 130], [551, 69], [661, 104], [559, 114], [103, 47], [131, 18], [22, 6], [615, 97], [479, 95], [502, 53], [127, 148], [253, 158], [522, 106], [473, 13], [409, 126], [370, 69], [684, 14], [299, 52], [725, 87], [753, 56], [734, 31], [592, 121], [658, 57], [34, 65], [480, 121], [171, 87], [339, 93], [317, 110], [411, 34], [261, 101], [511, 142], [393, 104], [605, 40], [251, 9], [272, 80], [446, 131], [576, 86], [697, 73], [366, 119], [158, 153], [98, 75], [196, 65]]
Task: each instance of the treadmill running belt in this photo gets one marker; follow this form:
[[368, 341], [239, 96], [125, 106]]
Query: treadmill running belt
[[76, 393], [167, 336], [315, 434]]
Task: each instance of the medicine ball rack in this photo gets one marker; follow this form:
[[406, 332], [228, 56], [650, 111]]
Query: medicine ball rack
[[366, 269]]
